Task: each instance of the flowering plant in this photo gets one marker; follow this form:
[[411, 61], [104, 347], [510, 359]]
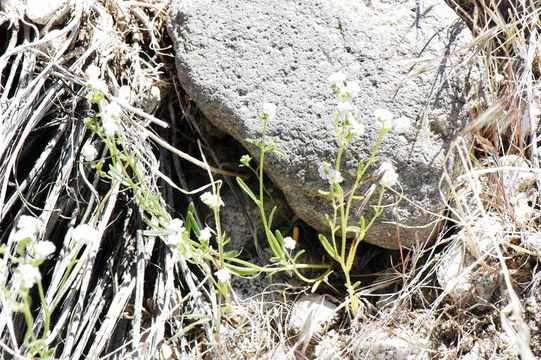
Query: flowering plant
[[347, 128], [340, 225]]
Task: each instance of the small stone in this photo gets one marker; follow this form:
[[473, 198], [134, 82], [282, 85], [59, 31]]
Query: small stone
[[466, 283], [393, 344], [329, 347], [41, 12], [516, 181], [310, 314]]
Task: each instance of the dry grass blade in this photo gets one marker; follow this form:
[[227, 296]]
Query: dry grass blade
[[98, 294]]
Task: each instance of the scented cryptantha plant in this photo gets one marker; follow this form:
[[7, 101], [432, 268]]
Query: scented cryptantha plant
[[346, 232]]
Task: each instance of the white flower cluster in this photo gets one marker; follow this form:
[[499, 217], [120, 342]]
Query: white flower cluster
[[27, 231], [342, 87], [27, 228], [388, 176], [346, 111], [289, 243], [94, 81], [223, 275], [89, 152], [42, 249], [269, 111], [175, 237], [385, 119], [111, 112], [25, 276], [326, 172], [110, 116], [85, 234], [205, 234], [245, 160], [213, 201], [175, 229]]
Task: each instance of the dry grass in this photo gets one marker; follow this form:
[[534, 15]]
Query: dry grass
[[112, 303]]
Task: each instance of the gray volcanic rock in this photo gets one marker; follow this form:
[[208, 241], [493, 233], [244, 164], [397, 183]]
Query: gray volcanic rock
[[234, 55]]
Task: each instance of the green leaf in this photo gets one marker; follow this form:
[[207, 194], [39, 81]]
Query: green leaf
[[231, 254], [257, 143], [271, 216], [191, 223], [355, 229], [152, 233], [362, 222], [280, 238], [328, 247], [299, 253], [329, 220], [240, 270], [249, 192]]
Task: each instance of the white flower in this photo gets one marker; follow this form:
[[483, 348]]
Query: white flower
[[124, 94], [289, 243], [23, 234], [93, 79], [205, 234], [338, 79], [388, 174], [110, 128], [345, 108], [173, 239], [27, 228], [29, 222], [176, 229], [176, 225], [245, 159], [213, 201], [325, 170], [335, 177], [356, 128], [26, 276], [43, 249], [352, 88], [92, 72], [269, 109], [498, 78], [112, 110], [384, 118], [401, 124], [223, 275], [85, 234], [89, 152], [110, 117]]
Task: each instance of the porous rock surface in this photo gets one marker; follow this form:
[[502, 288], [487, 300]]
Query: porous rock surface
[[233, 55]]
